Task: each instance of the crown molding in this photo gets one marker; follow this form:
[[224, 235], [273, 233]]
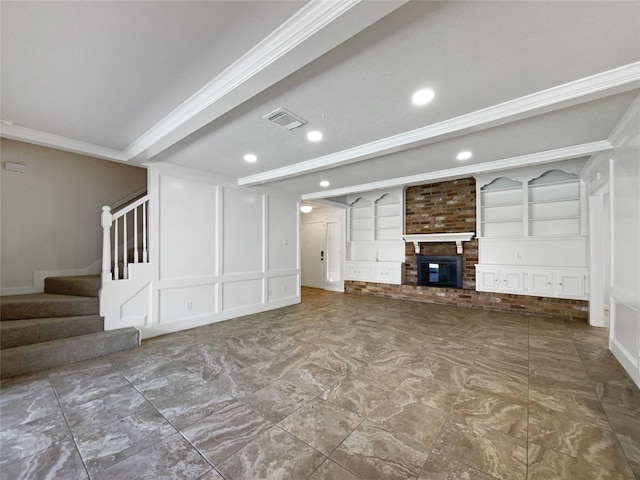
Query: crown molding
[[44, 139], [548, 156], [586, 89], [299, 28]]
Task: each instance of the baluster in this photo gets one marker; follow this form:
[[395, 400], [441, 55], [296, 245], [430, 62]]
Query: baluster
[[135, 236], [125, 253], [144, 232], [116, 269], [106, 221]]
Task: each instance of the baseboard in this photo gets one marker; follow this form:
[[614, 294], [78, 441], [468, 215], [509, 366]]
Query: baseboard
[[38, 278], [629, 364]]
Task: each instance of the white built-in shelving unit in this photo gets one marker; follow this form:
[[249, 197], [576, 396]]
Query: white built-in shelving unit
[[532, 231], [501, 208], [376, 249]]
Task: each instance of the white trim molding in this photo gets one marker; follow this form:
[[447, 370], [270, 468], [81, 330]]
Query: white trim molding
[[548, 156], [579, 91], [458, 238], [44, 139]]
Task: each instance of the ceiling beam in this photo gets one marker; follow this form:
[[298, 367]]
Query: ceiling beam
[[311, 32], [548, 156], [318, 27], [587, 89]]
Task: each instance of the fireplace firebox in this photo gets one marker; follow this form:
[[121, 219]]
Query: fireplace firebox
[[440, 271]]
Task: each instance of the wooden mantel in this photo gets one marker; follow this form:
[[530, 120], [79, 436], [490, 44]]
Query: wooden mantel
[[458, 238]]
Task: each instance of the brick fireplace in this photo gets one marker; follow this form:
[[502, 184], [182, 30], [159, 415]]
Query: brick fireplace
[[450, 207]]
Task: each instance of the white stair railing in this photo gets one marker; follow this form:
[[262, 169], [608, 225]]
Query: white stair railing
[[116, 225]]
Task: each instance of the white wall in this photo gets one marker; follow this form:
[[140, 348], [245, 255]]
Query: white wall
[[625, 242], [217, 251], [50, 215]]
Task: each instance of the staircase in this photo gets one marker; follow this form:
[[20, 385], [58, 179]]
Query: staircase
[[61, 326]]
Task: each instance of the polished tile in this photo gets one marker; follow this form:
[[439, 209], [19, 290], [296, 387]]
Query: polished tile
[[188, 406], [427, 391], [112, 406], [169, 459], [28, 407], [277, 400], [374, 452], [384, 388], [489, 451], [243, 382], [274, 454], [502, 413], [439, 467], [27, 439], [419, 421], [545, 464], [108, 444], [330, 470], [220, 435], [60, 460], [321, 424], [581, 437], [361, 396]]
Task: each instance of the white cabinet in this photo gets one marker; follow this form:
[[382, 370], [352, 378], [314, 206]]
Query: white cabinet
[[499, 279], [539, 282], [512, 280], [570, 284], [375, 272], [487, 279]]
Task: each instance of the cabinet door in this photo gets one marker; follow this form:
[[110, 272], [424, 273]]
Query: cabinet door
[[540, 282], [351, 271], [512, 280], [570, 284], [380, 274], [487, 279]]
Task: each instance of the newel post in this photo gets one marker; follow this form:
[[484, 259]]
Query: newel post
[[106, 244]]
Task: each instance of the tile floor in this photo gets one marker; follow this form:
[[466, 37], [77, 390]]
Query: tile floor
[[338, 387]]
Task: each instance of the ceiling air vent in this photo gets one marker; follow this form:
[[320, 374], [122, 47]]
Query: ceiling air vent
[[285, 118]]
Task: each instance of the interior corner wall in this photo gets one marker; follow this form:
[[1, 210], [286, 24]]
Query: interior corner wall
[[50, 215], [624, 333], [219, 251]]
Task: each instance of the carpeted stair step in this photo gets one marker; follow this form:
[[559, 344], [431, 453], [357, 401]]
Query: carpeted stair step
[[14, 333], [46, 305], [82, 285], [43, 356]]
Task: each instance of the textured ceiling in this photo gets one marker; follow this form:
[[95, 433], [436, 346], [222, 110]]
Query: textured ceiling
[[104, 74]]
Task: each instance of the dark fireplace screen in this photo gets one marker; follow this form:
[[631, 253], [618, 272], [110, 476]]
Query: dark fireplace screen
[[440, 271]]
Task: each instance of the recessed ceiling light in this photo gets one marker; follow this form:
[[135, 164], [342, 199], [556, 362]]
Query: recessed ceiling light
[[324, 183], [423, 96], [314, 136], [251, 158], [306, 208], [465, 155]]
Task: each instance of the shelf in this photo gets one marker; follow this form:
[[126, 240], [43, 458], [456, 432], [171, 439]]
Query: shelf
[[388, 228], [572, 199], [550, 219], [503, 205], [504, 189], [552, 184], [388, 216], [515, 220]]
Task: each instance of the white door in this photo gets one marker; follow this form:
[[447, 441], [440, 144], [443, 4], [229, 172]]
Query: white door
[[313, 254]]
